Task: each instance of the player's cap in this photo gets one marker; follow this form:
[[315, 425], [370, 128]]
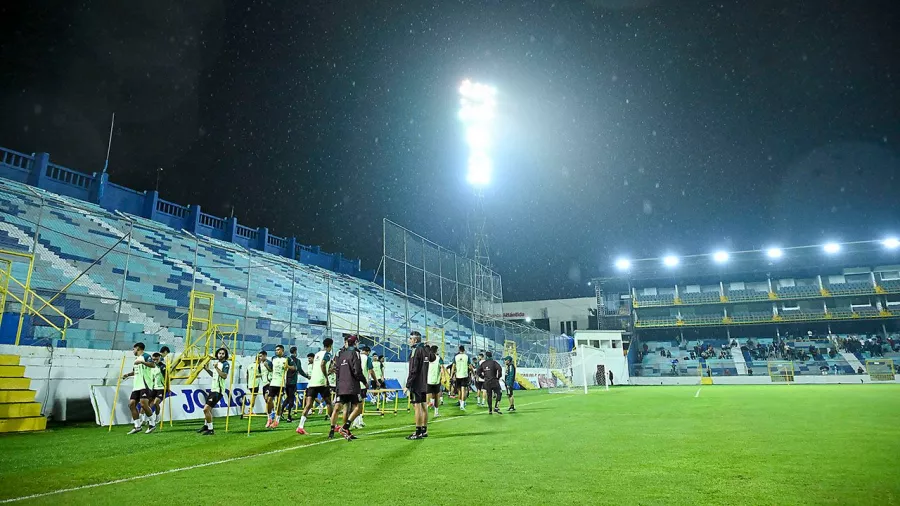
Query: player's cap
[[507, 358], [352, 340]]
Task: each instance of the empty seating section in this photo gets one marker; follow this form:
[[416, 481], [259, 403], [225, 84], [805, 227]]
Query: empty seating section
[[700, 298], [655, 300], [751, 316], [747, 294], [284, 302], [854, 288], [890, 285], [799, 291]]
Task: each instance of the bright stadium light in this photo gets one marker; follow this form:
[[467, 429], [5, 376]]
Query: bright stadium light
[[831, 248], [891, 243], [623, 264], [670, 261], [478, 103], [720, 257], [774, 253]]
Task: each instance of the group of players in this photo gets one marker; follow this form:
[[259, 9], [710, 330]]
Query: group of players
[[339, 383]]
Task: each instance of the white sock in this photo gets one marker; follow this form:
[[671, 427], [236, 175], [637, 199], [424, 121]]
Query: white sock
[[137, 423], [302, 421], [462, 404], [209, 425], [435, 411], [360, 419], [144, 418]]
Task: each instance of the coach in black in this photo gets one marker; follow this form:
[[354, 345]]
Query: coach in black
[[492, 371], [417, 383]]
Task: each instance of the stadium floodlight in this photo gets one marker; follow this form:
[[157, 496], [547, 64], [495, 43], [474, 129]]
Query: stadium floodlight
[[831, 248], [623, 264], [527, 319], [891, 243], [478, 103], [670, 260], [774, 253], [720, 257]]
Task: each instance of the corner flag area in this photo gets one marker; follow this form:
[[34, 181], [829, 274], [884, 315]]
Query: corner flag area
[[800, 444]]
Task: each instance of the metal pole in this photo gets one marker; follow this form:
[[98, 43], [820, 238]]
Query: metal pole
[[194, 270], [328, 306], [406, 281], [124, 282], [425, 285], [384, 282], [109, 144], [357, 308], [246, 303], [291, 317]]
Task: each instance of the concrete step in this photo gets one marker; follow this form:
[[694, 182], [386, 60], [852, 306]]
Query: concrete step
[[25, 424], [12, 371], [19, 409], [9, 360], [14, 383], [17, 395]]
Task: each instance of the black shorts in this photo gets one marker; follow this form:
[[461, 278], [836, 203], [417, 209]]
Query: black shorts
[[348, 399], [144, 393], [417, 397], [266, 390], [462, 382], [382, 384], [479, 385], [273, 392], [434, 389], [158, 394], [213, 399], [363, 394], [323, 391], [510, 389]]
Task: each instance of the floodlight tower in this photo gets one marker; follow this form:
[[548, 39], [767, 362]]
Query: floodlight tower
[[478, 103]]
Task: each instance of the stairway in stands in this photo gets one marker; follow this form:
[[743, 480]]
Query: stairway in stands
[[739, 363], [852, 360], [18, 410]]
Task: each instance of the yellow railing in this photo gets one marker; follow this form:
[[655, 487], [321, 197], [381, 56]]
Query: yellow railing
[[27, 302]]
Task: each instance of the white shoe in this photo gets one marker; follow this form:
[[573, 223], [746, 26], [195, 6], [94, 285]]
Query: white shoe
[[436, 415], [150, 429], [462, 408]]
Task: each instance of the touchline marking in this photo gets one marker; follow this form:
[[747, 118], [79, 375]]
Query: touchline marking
[[698, 392], [235, 459]]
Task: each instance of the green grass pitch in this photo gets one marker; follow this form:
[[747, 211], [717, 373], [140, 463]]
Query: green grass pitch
[[634, 445]]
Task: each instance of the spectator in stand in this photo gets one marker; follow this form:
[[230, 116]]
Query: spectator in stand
[[859, 370]]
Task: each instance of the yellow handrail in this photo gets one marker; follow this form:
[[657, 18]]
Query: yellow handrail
[[33, 312]]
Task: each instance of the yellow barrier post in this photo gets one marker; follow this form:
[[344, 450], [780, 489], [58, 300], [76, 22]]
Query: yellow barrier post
[[112, 414], [230, 390], [252, 394]]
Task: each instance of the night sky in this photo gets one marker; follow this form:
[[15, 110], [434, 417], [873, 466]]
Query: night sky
[[632, 127]]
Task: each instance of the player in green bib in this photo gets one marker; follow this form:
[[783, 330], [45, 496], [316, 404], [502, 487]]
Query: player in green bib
[[280, 367], [435, 372], [510, 380], [157, 386], [459, 372], [378, 370], [318, 382], [141, 391], [219, 373]]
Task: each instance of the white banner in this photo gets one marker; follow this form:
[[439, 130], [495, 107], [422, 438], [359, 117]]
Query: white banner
[[184, 402]]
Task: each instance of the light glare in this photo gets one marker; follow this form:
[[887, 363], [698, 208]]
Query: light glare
[[774, 253], [477, 105], [891, 243], [720, 257], [670, 261], [831, 248], [623, 264]]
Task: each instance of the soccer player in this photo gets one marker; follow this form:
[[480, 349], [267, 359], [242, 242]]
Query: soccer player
[[510, 380], [157, 387], [141, 391], [459, 371], [378, 372], [479, 381], [219, 374], [261, 379], [368, 373], [491, 371], [318, 382], [349, 376], [435, 371], [290, 389], [381, 378], [416, 383], [279, 369]]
